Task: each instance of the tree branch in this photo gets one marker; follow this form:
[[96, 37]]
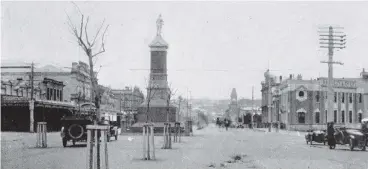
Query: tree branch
[[102, 49], [85, 31], [94, 40]]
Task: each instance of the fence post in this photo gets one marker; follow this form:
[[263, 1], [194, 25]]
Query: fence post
[[148, 140], [94, 134], [41, 135], [169, 136], [177, 133]]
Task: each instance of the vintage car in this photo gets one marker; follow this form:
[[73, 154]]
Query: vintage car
[[74, 128], [365, 128], [113, 128], [353, 137], [318, 136]]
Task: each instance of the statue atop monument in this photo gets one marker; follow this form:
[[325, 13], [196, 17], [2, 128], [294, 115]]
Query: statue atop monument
[[159, 24]]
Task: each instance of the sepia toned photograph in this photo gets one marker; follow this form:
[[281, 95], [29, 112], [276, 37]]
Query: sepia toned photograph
[[184, 84]]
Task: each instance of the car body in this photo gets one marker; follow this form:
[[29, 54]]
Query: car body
[[353, 137], [319, 136], [74, 128]]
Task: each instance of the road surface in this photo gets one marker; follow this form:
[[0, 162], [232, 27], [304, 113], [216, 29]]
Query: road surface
[[208, 148]]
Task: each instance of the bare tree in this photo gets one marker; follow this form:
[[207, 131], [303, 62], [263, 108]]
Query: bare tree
[[89, 45], [180, 99], [151, 92], [170, 94]]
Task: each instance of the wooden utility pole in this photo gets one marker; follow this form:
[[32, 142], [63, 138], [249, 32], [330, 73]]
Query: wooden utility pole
[[334, 40], [252, 106]]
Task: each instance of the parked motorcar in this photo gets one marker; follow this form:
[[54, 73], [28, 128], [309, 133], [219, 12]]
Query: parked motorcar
[[318, 136], [364, 128], [353, 137], [74, 128]]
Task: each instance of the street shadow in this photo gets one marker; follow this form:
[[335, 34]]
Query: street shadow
[[135, 159], [76, 146]]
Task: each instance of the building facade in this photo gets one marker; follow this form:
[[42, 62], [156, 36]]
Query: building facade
[[77, 83], [302, 104]]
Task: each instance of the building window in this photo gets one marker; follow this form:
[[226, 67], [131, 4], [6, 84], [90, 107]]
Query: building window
[[343, 97], [326, 95], [360, 98], [335, 97], [301, 94], [343, 116], [359, 117], [301, 117], [350, 116], [61, 95], [54, 94], [335, 116], [350, 97], [326, 116], [317, 97], [317, 117]]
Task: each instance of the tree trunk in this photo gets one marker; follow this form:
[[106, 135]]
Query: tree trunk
[[94, 86]]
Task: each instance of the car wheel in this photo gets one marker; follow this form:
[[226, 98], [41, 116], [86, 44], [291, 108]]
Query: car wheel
[[363, 148], [64, 142], [324, 143], [351, 144]]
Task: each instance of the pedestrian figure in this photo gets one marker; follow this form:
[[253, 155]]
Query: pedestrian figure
[[218, 123], [330, 135], [227, 123]]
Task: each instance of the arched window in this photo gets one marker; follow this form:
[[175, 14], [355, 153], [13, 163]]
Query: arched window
[[317, 118], [335, 116], [360, 117], [301, 117], [350, 116], [301, 93], [343, 116]]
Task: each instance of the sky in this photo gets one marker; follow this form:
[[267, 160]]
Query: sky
[[213, 46]]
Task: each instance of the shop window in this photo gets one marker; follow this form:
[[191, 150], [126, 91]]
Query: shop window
[[301, 117], [350, 116], [317, 117]]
